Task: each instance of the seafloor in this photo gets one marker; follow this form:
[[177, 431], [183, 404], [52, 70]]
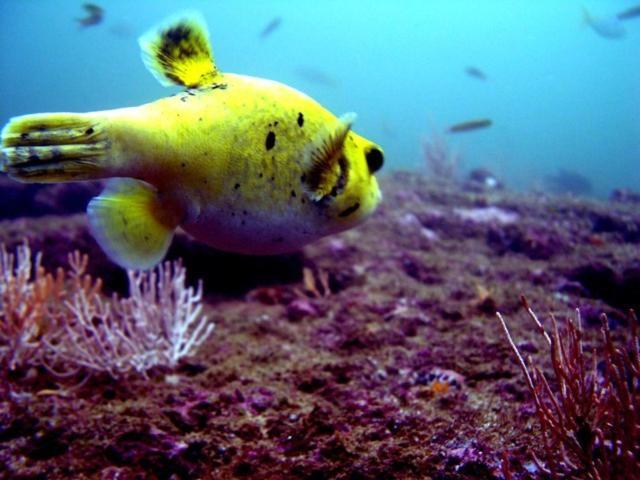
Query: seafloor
[[395, 368]]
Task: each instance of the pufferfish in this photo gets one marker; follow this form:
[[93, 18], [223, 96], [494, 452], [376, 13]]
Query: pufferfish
[[243, 164]]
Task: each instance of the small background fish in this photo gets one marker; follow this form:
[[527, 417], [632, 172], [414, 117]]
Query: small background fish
[[95, 15], [552, 78], [271, 27]]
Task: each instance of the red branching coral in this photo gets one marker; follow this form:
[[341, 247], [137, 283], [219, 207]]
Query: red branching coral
[[590, 419], [28, 298]]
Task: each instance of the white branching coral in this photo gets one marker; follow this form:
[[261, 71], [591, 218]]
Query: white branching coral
[[69, 324], [158, 324]]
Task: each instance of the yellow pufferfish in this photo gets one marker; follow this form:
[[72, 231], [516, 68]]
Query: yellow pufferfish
[[243, 164]]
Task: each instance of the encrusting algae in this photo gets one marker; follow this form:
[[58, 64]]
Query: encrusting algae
[[243, 164]]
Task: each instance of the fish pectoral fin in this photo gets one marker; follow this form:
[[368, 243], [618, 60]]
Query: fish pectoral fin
[[178, 52], [326, 171], [131, 223]]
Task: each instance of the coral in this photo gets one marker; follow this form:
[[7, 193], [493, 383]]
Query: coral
[[68, 325], [28, 298], [590, 420], [158, 324], [441, 160]]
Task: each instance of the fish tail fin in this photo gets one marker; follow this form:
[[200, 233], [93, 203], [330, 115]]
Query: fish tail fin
[[55, 147]]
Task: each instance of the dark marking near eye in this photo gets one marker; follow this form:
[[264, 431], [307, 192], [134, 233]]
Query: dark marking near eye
[[300, 119], [270, 142], [183, 164], [275, 124], [293, 193], [348, 211], [375, 159], [236, 186], [89, 131], [261, 175]]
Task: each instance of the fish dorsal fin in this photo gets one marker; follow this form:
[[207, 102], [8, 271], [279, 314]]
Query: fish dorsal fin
[[178, 52], [325, 166]]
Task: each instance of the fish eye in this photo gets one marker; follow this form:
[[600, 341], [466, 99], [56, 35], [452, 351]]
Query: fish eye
[[375, 159]]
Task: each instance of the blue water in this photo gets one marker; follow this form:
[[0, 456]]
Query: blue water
[[559, 95]]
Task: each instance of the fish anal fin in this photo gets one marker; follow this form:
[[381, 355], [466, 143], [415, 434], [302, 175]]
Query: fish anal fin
[[178, 52], [325, 165], [131, 224]]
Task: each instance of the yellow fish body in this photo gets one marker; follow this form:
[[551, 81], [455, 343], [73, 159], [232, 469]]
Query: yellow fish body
[[243, 164]]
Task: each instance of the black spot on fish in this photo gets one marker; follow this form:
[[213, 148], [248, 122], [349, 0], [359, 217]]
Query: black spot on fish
[[334, 192], [300, 119], [244, 212], [184, 98], [200, 119], [89, 131], [183, 164], [303, 178], [24, 136], [275, 124], [270, 142], [293, 194], [348, 211], [303, 201], [261, 175], [236, 186]]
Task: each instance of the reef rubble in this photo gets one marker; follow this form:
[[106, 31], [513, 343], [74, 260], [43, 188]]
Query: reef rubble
[[375, 353]]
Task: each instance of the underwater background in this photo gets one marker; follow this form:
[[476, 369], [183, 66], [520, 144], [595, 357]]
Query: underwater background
[[509, 231], [561, 97]]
